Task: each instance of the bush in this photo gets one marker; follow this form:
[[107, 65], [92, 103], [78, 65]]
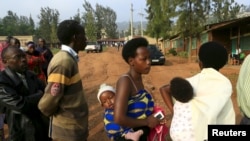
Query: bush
[[183, 54], [172, 51]]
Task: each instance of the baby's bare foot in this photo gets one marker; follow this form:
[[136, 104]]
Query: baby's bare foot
[[134, 135]]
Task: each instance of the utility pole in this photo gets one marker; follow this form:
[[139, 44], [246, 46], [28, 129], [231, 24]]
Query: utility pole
[[141, 14], [131, 21]]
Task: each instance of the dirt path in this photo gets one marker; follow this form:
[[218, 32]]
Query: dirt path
[[97, 68]]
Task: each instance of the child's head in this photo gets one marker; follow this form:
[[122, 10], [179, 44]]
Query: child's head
[[212, 55], [106, 96], [181, 89]]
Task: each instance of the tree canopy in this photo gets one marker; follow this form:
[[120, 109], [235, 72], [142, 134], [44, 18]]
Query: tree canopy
[[187, 17], [94, 20], [165, 19]]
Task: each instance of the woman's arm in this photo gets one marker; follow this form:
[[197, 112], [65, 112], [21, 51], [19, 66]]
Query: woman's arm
[[123, 88], [167, 97]]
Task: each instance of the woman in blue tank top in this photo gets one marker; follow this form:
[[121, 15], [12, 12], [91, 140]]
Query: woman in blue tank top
[[133, 104]]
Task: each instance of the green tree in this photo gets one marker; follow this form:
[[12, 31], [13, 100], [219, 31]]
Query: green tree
[[160, 14], [225, 10], [77, 17], [14, 25], [235, 10], [245, 8], [100, 20], [110, 23], [48, 21], [191, 17], [32, 25], [103, 18], [90, 22], [187, 17], [154, 27], [90, 27], [10, 24], [106, 20], [27, 24], [53, 35]]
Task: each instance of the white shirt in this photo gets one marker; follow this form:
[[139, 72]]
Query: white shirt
[[212, 103], [237, 51], [242, 87], [70, 50], [181, 128]]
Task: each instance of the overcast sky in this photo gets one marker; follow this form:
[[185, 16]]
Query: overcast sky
[[68, 8]]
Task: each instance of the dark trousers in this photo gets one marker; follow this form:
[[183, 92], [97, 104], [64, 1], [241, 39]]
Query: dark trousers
[[45, 73], [245, 120], [2, 134]]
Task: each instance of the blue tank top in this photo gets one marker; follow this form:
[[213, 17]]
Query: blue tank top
[[141, 105]]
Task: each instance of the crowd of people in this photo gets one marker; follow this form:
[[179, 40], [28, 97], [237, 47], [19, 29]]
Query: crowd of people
[[38, 55], [42, 96]]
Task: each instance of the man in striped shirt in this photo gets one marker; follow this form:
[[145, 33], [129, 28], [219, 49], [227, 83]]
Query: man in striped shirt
[[64, 100]]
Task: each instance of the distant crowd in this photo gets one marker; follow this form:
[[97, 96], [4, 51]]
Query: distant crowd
[[38, 55]]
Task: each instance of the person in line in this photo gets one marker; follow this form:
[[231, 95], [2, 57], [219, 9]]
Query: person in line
[[236, 56], [212, 102], [20, 92], [182, 92], [243, 91], [3, 45], [35, 60], [106, 97], [47, 54], [16, 42], [64, 100], [2, 115], [133, 104]]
